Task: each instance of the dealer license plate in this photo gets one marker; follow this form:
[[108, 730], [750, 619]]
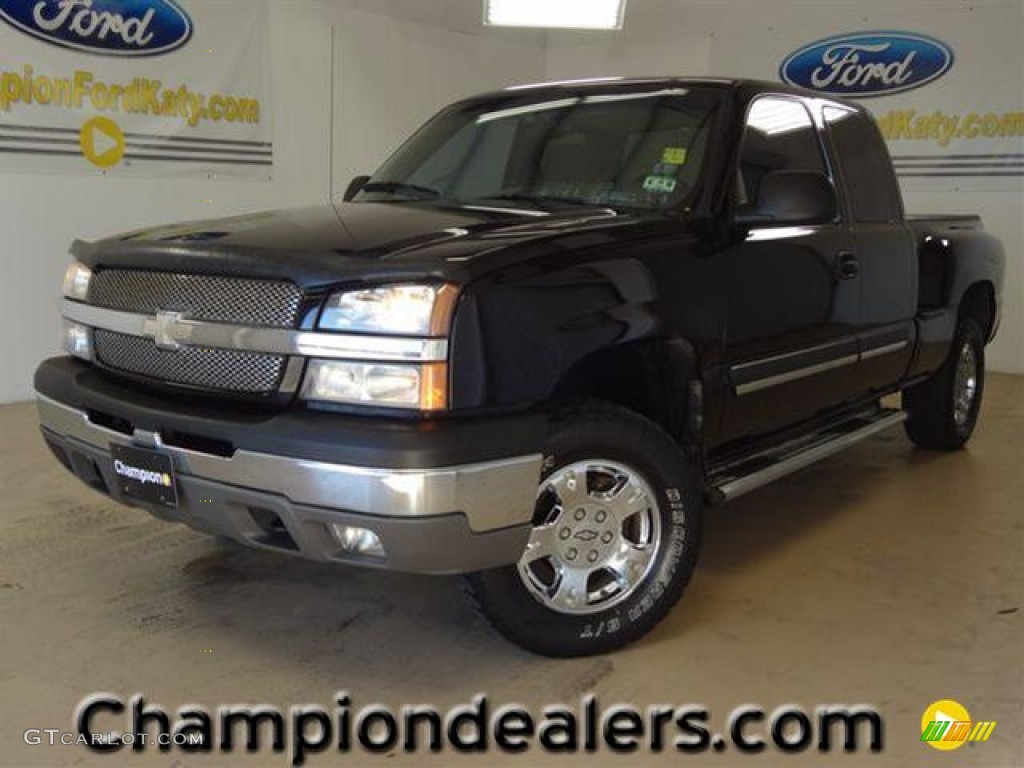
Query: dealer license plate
[[145, 475]]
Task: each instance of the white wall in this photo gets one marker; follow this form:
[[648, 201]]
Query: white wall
[[659, 38], [392, 73]]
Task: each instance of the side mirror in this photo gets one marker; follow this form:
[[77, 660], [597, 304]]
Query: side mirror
[[354, 187], [792, 197]]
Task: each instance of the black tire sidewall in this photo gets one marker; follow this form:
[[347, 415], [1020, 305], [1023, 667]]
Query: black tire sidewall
[[931, 405]]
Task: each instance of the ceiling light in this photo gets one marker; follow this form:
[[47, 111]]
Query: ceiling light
[[566, 14]]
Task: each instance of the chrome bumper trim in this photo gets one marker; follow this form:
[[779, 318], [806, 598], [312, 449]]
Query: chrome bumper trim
[[271, 341], [492, 495]]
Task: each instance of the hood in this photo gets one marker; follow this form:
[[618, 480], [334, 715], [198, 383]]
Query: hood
[[352, 241]]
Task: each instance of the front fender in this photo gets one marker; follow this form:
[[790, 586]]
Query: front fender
[[518, 336]]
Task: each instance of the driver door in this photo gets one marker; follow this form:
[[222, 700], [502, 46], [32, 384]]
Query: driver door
[[793, 304]]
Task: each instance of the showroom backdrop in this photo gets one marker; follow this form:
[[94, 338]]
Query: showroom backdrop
[[365, 72]]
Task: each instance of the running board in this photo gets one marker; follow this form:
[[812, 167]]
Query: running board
[[749, 473]]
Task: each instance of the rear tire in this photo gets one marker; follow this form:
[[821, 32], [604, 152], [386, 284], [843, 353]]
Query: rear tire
[[943, 411], [617, 529]]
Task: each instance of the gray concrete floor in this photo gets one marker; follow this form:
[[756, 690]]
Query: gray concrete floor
[[884, 576]]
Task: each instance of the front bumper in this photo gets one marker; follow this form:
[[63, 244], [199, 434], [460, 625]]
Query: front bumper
[[431, 516]]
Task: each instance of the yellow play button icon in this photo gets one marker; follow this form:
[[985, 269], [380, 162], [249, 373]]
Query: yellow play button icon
[[945, 725], [102, 142]]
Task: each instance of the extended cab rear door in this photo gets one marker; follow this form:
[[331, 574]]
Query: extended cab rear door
[[885, 255]]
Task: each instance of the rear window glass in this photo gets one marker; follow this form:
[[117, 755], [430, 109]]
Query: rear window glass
[[864, 161]]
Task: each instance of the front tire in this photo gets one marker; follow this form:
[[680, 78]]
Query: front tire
[[617, 528], [943, 411]]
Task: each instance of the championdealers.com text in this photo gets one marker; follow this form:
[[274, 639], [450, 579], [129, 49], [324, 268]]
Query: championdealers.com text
[[107, 724]]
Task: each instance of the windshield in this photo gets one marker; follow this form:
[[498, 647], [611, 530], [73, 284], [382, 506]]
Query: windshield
[[617, 149]]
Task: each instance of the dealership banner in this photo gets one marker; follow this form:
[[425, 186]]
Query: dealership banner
[[136, 87]]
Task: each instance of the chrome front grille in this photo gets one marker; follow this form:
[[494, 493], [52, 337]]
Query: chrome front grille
[[214, 369], [238, 301], [243, 302]]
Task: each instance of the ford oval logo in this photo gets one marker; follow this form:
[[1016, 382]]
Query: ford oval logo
[[108, 27], [868, 63]]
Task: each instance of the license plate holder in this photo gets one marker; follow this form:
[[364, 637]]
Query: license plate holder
[[145, 475]]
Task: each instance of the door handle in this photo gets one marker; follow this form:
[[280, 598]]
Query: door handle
[[848, 266]]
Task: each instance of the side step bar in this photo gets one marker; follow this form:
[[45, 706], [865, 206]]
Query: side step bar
[[744, 475]]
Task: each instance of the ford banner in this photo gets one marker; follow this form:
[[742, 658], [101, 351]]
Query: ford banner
[[113, 27], [868, 63], [136, 87]]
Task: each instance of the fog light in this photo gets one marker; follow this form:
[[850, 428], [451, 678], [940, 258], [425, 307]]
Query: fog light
[[77, 340], [358, 541]]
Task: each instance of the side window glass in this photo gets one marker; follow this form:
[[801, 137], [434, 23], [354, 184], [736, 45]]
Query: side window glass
[[867, 170], [779, 136]]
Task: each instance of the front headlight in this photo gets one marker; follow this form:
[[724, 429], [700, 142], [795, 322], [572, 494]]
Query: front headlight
[[393, 326], [399, 310], [76, 281]]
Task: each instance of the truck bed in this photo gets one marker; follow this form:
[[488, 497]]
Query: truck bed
[[929, 223]]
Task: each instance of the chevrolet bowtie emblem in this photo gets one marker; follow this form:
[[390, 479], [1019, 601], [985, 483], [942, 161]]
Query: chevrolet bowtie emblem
[[166, 329]]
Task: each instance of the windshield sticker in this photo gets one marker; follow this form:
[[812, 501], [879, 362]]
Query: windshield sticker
[[674, 156], [659, 184]]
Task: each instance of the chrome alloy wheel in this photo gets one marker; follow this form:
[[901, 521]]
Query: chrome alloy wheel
[[595, 539], [965, 388]]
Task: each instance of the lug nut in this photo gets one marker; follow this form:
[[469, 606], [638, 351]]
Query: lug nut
[[565, 533], [580, 513], [601, 515], [607, 538], [592, 557], [571, 554]]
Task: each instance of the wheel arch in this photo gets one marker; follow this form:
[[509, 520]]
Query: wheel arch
[[979, 304], [657, 378]]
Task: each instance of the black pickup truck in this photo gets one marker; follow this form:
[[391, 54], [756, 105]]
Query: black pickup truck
[[555, 327]]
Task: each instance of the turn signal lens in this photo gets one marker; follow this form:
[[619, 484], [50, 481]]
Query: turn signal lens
[[434, 387]]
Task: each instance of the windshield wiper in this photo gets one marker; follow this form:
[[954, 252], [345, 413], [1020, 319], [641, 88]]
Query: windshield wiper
[[540, 200], [519, 197], [401, 187]]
